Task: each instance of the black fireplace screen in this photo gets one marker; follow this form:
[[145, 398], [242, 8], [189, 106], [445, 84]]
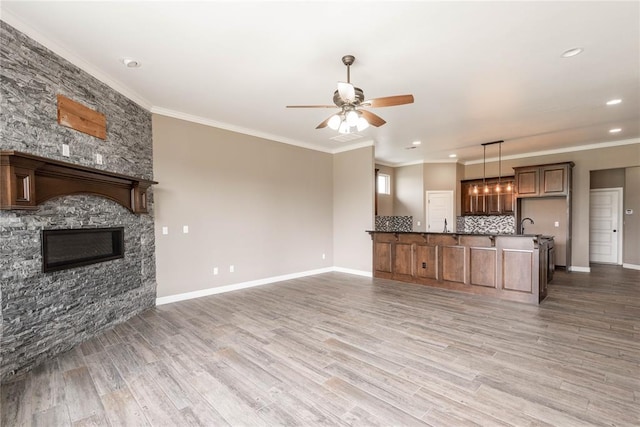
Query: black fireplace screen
[[62, 249]]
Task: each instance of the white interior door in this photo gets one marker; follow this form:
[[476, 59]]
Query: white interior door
[[605, 235], [439, 208]]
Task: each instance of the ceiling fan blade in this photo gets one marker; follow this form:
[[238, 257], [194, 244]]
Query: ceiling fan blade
[[311, 106], [347, 92], [388, 101], [373, 119]]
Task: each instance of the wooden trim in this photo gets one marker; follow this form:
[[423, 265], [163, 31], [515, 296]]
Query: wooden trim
[[29, 180], [76, 116]]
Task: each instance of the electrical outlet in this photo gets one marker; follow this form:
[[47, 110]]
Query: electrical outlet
[[323, 256], [165, 230], [65, 150], [556, 224], [185, 229], [99, 159], [231, 269], [215, 271], [418, 223], [424, 265]]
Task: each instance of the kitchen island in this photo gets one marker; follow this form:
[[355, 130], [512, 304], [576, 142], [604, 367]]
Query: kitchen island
[[505, 266]]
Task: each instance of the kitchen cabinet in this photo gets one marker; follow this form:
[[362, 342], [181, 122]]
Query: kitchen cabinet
[[543, 180], [509, 267], [476, 201], [551, 181]]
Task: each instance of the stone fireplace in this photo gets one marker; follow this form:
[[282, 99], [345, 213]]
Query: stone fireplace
[[44, 313]]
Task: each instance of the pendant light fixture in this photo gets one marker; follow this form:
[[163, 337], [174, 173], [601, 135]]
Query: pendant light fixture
[[347, 121], [499, 167], [484, 165], [484, 168]]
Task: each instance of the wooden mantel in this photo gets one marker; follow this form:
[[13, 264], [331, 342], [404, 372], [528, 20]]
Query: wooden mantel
[[27, 180]]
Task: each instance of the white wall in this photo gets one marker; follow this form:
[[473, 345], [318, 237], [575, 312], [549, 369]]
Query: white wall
[[262, 206], [409, 194], [353, 198]]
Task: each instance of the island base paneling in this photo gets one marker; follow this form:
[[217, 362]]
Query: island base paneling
[[509, 267]]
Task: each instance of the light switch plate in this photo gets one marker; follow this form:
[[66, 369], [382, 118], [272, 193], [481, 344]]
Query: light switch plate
[[231, 269], [185, 229], [165, 230], [65, 150], [99, 159], [556, 224]]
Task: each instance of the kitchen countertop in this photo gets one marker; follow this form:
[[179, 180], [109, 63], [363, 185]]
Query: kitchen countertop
[[539, 236]]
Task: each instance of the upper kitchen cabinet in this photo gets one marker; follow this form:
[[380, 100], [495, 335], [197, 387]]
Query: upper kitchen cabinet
[[498, 199], [544, 180]]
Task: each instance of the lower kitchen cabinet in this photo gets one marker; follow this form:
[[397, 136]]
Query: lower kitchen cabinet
[[510, 267]]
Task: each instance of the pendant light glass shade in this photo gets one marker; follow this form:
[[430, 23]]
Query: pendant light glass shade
[[334, 122], [362, 124], [344, 127], [349, 122], [352, 118]]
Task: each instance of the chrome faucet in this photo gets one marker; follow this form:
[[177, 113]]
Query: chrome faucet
[[522, 224]]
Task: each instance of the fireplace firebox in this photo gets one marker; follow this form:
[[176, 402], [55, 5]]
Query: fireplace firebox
[[69, 248]]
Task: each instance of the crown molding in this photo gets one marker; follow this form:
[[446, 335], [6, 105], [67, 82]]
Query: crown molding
[[521, 156], [397, 165], [362, 144], [560, 150], [252, 132], [74, 59]]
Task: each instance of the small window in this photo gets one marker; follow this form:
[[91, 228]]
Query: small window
[[384, 184]]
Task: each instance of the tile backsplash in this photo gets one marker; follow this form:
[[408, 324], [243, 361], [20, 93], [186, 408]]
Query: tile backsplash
[[500, 224], [394, 223]]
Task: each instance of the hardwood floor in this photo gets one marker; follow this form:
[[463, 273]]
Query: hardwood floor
[[336, 349]]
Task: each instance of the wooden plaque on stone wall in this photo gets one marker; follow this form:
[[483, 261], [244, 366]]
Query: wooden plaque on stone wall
[[83, 119]]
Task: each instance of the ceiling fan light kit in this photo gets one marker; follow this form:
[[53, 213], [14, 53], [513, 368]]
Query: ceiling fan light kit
[[350, 100]]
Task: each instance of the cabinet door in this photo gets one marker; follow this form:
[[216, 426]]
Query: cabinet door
[[507, 198], [382, 257], [403, 264], [553, 180], [494, 203], [507, 203], [426, 260], [468, 199], [527, 182]]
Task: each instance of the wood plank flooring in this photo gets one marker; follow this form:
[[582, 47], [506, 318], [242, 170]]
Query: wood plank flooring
[[336, 349]]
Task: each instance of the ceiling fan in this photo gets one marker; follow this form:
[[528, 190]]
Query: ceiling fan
[[350, 100]]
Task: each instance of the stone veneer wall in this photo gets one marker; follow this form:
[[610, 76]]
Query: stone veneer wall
[[42, 315]]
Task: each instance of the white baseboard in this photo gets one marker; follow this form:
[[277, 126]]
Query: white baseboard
[[631, 266], [580, 269], [253, 283], [350, 271]]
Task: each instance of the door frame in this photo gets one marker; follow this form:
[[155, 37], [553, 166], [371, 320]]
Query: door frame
[[620, 229], [452, 226]]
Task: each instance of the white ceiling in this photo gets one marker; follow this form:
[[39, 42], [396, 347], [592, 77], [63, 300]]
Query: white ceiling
[[479, 71]]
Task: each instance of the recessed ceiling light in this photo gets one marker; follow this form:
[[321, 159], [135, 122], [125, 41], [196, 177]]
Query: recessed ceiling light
[[131, 63], [416, 142], [572, 52], [453, 156], [614, 102], [615, 130]]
